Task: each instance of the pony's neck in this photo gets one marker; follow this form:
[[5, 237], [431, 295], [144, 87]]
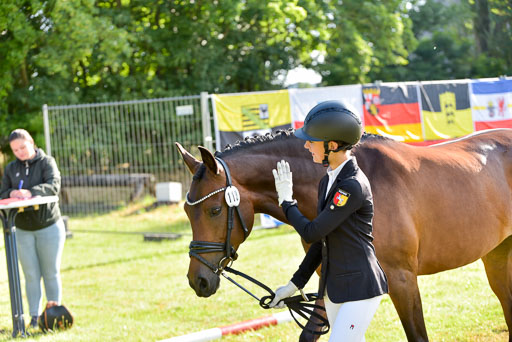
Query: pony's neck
[[251, 168]]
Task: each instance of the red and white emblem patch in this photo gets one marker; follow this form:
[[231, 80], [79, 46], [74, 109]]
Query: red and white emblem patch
[[340, 198]]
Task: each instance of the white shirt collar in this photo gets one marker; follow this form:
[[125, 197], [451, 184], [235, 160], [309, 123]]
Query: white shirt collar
[[333, 174]]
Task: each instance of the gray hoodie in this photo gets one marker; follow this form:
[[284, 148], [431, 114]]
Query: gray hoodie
[[41, 176]]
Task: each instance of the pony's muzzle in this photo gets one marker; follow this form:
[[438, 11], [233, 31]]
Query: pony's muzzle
[[205, 284]]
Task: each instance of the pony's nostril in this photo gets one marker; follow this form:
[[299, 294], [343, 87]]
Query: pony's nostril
[[203, 285]]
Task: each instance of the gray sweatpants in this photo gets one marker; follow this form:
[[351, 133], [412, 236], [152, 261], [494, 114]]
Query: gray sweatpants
[[40, 255]]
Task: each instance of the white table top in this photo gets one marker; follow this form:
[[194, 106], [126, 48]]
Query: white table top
[[23, 203]]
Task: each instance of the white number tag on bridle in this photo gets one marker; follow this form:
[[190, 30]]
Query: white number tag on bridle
[[232, 196]]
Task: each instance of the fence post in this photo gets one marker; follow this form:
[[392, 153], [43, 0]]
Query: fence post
[[205, 119], [48, 148]]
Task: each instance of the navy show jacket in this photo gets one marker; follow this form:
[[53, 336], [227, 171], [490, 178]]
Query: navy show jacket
[[341, 239]]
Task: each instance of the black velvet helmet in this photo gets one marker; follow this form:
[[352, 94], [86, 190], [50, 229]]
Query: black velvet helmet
[[332, 121]]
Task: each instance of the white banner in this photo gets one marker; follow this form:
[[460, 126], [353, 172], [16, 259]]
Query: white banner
[[302, 100]]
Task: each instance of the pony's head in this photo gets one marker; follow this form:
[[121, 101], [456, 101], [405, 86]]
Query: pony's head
[[221, 218]]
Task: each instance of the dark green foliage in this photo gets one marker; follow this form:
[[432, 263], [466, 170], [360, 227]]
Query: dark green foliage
[[463, 39]]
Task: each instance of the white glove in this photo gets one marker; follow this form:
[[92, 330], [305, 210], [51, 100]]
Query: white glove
[[284, 184], [281, 293]]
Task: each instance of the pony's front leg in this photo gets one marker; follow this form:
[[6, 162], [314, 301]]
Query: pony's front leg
[[405, 294], [312, 325]]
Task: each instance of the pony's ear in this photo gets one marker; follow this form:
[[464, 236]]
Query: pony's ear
[[209, 160], [191, 162]]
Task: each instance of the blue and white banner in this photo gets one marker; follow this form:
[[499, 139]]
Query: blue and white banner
[[491, 103]]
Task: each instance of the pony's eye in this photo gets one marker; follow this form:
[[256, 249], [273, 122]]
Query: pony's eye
[[215, 211]]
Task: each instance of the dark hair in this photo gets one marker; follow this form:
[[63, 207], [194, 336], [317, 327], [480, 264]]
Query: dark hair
[[20, 133], [342, 145]]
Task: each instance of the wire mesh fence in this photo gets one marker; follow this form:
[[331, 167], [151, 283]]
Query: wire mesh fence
[[112, 153]]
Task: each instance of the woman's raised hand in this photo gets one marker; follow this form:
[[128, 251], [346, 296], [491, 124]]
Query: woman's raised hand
[[283, 180]]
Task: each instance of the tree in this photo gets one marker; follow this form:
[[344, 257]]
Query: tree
[[45, 45], [69, 52], [215, 46], [364, 37], [492, 20], [463, 39]]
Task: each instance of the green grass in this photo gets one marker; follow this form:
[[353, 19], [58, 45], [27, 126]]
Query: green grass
[[121, 288]]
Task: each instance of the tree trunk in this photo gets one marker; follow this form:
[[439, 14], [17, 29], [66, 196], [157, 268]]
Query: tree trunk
[[482, 24]]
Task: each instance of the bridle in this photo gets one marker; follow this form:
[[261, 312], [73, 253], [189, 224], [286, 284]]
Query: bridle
[[232, 197], [297, 304]]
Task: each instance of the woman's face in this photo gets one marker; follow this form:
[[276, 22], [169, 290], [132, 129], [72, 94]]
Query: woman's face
[[23, 149], [317, 150]]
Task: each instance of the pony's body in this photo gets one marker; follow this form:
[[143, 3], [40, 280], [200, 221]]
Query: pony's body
[[436, 208]]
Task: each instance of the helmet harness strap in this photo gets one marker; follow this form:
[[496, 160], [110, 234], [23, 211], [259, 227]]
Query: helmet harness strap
[[325, 162]]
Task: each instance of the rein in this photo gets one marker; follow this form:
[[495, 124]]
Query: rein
[[297, 304]]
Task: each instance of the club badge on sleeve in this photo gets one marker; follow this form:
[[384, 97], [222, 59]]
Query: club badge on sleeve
[[340, 198]]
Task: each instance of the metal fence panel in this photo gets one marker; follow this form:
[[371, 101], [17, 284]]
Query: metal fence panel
[[112, 153]]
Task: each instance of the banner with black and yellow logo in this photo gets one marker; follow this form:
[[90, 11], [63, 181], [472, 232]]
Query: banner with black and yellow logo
[[446, 110], [246, 114]]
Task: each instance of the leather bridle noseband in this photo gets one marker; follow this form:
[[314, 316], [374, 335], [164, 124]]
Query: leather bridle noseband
[[297, 304], [232, 197]]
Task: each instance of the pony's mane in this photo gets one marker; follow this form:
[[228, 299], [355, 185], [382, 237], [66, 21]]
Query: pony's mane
[[282, 135], [256, 140], [278, 135], [371, 137]]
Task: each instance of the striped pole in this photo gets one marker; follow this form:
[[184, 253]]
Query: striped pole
[[233, 329]]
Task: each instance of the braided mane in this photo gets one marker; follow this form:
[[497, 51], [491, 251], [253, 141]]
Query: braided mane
[[282, 135]]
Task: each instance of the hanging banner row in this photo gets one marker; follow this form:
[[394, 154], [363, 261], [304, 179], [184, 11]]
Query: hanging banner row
[[420, 113]]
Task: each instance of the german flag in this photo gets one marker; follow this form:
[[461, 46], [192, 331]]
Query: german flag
[[392, 110]]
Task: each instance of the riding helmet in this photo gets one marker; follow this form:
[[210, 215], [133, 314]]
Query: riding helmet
[[332, 121]]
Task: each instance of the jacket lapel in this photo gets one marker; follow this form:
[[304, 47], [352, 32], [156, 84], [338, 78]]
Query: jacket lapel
[[321, 195]]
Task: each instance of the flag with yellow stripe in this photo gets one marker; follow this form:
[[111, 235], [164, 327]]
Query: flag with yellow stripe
[[393, 110], [446, 110], [491, 102]]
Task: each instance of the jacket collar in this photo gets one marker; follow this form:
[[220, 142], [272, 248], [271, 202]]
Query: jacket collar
[[348, 170]]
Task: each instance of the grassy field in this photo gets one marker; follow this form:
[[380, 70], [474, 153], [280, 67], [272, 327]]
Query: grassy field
[[121, 288]]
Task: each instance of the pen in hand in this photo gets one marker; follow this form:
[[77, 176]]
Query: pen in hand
[[19, 192]]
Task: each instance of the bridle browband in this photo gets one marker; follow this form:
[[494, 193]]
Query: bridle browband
[[295, 304]]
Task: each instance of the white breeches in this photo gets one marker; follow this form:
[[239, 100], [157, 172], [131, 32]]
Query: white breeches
[[350, 320]]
